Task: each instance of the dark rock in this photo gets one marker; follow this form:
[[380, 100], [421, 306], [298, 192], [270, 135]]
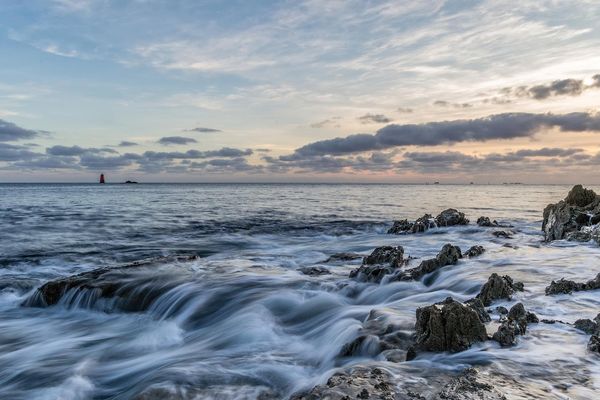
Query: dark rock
[[502, 310], [564, 286], [447, 326], [485, 221], [371, 273], [423, 223], [498, 287], [586, 325], [514, 325], [467, 386], [475, 251], [365, 345], [477, 305], [451, 217], [594, 344], [448, 255], [595, 219], [503, 234], [565, 218], [393, 256], [314, 271], [343, 257], [399, 227], [518, 314], [107, 283], [355, 383]]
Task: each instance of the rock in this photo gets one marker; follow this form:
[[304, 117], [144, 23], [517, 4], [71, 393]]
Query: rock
[[107, 282], [485, 221], [424, 223], [578, 196], [586, 325], [448, 255], [498, 287], [371, 273], [467, 386], [575, 212], [477, 305], [514, 325], [447, 326], [399, 227], [475, 251], [393, 256], [564, 286], [503, 234], [594, 344], [355, 383], [343, 257], [314, 271], [365, 345], [502, 310], [451, 217]]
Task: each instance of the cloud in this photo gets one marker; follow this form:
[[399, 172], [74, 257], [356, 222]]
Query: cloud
[[59, 150], [202, 130], [443, 103], [330, 122], [374, 119], [11, 132], [10, 152], [169, 140], [126, 143], [571, 87], [405, 110], [493, 127]]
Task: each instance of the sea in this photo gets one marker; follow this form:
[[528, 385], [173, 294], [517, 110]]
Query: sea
[[241, 320]]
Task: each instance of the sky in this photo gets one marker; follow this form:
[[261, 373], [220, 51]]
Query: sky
[[300, 91]]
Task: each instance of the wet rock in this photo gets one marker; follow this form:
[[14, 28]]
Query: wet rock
[[594, 344], [564, 286], [485, 221], [399, 227], [423, 223], [355, 383], [107, 283], [447, 326], [507, 333], [451, 217], [502, 310], [448, 255], [365, 345], [586, 325], [468, 386], [475, 251], [343, 257], [393, 256], [498, 287], [314, 271], [503, 234], [575, 212], [514, 325], [478, 307]]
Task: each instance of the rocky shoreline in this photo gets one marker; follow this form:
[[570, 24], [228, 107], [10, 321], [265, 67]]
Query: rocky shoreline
[[445, 326]]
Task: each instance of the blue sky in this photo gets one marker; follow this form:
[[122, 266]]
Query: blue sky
[[248, 90]]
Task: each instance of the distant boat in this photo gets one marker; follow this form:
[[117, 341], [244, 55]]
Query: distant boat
[[101, 178], [436, 183]]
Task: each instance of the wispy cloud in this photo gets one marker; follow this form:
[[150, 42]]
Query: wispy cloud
[[169, 140]]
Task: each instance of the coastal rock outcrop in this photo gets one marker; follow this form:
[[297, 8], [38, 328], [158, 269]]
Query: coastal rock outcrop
[[575, 218], [515, 324], [382, 261], [498, 287], [564, 286], [474, 251], [342, 257], [314, 271], [448, 217], [446, 326], [451, 217], [448, 255]]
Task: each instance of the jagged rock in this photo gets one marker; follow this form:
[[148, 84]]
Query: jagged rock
[[423, 223], [393, 256], [343, 257], [475, 251], [502, 310], [451, 217], [514, 325], [105, 283], [314, 271], [477, 305], [355, 383], [447, 326], [467, 386], [399, 227], [498, 287], [448, 255], [594, 344], [485, 221], [575, 212], [564, 286], [586, 325], [503, 234]]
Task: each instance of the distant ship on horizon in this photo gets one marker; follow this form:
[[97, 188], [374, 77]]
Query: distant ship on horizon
[[101, 178]]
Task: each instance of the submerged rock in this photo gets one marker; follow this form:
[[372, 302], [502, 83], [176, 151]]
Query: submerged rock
[[503, 234], [498, 287], [475, 251], [447, 326], [564, 286], [573, 214], [448, 255], [314, 271], [451, 217], [343, 257]]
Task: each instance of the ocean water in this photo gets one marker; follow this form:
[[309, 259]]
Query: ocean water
[[241, 321]]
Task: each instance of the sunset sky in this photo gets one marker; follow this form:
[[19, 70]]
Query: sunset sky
[[300, 91]]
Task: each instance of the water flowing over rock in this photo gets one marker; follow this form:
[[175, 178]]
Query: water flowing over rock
[[564, 286], [514, 325], [572, 217], [447, 326], [342, 257], [448, 255], [314, 271], [498, 287]]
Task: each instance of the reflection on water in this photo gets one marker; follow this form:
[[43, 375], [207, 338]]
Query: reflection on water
[[241, 320]]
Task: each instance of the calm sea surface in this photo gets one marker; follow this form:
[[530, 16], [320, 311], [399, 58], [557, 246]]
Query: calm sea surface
[[241, 320]]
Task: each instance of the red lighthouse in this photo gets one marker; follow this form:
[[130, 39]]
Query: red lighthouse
[[101, 178]]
